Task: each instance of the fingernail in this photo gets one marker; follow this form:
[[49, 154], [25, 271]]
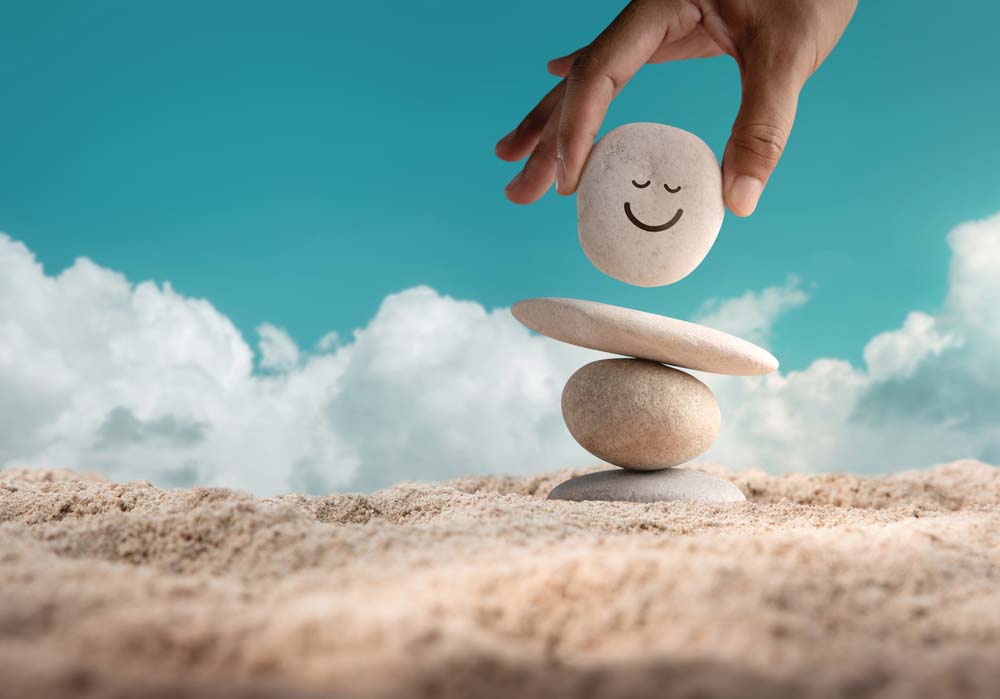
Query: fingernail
[[510, 185], [744, 193], [560, 173]]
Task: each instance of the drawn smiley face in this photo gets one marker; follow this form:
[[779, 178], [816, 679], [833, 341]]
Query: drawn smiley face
[[649, 227], [649, 203]]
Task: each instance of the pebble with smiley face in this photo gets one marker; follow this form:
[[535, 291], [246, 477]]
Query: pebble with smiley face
[[649, 203]]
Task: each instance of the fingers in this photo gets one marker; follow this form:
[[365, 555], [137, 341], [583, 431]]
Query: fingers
[[519, 142], [760, 132], [535, 179], [560, 66], [697, 44], [599, 72]]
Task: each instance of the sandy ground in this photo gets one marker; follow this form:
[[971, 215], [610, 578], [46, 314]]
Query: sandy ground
[[819, 586]]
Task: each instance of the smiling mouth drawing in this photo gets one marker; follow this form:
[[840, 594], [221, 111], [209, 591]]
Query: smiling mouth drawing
[[646, 226]]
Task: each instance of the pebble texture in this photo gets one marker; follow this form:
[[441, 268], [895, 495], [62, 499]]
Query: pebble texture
[[649, 203], [638, 414], [666, 485], [643, 335]]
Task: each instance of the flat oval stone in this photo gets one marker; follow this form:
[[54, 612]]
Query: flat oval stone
[[644, 335], [638, 414], [649, 203], [648, 486]]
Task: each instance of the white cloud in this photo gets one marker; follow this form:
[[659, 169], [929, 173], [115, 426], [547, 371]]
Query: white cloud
[[139, 381], [975, 277], [898, 353], [142, 382], [752, 315], [278, 351], [328, 342], [435, 387], [929, 390]]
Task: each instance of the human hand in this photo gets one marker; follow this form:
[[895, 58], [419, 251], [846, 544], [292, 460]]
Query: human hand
[[778, 45]]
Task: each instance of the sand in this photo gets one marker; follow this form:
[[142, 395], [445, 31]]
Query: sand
[[819, 586]]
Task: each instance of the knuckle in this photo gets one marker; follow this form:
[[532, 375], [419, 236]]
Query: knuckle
[[574, 131], [764, 141], [584, 63], [588, 67]]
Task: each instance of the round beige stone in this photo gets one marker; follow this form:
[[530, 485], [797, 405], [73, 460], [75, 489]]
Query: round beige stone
[[632, 333], [667, 485], [649, 203], [639, 414]]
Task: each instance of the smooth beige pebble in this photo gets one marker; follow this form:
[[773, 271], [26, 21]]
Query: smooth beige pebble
[[644, 335], [649, 203], [639, 414]]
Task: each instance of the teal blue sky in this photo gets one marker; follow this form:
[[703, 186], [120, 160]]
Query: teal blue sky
[[295, 163]]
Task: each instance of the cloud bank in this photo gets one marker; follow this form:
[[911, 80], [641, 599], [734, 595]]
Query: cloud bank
[[929, 391], [138, 381]]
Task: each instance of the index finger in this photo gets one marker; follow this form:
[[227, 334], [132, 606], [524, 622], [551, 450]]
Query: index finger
[[601, 70]]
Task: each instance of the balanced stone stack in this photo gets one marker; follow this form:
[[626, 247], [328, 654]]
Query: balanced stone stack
[[650, 207]]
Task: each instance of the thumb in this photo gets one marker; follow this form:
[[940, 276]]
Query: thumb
[[759, 135]]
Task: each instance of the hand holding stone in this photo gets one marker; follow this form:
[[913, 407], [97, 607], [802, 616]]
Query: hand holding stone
[[778, 45]]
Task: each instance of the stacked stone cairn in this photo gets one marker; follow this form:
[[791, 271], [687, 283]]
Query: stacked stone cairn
[[650, 207]]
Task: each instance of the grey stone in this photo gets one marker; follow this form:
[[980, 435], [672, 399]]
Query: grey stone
[[639, 414], [648, 486]]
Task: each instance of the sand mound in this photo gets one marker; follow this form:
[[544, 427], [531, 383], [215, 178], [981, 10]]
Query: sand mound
[[821, 585]]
